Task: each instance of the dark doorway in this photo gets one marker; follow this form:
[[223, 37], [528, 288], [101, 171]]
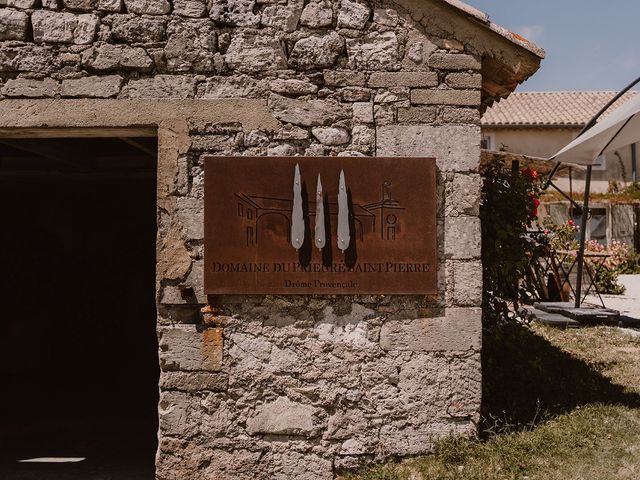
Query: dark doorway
[[78, 351]]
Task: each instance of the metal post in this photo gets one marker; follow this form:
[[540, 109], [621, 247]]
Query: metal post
[[634, 172], [583, 236]]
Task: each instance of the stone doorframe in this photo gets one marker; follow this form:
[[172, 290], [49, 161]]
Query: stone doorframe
[[169, 120]]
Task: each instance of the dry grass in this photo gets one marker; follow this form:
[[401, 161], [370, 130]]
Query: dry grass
[[559, 405]]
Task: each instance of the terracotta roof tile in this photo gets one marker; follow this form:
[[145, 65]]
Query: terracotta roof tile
[[571, 109]]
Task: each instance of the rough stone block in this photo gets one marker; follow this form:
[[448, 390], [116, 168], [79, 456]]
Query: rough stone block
[[446, 97], [20, 3], [463, 195], [363, 112], [108, 57], [255, 53], [28, 58], [403, 79], [306, 114], [237, 86], [467, 286], [82, 5], [455, 147], [190, 8], [183, 348], [190, 214], [194, 381], [459, 330], [464, 80], [107, 86], [29, 88], [344, 78], [331, 135], [387, 17], [235, 13], [316, 51], [51, 4], [284, 417], [282, 17], [462, 237], [191, 46], [148, 7], [353, 14], [374, 51], [317, 14], [454, 61], [114, 6], [460, 115], [292, 87], [134, 29], [64, 27], [363, 135], [13, 24], [160, 86], [422, 115]]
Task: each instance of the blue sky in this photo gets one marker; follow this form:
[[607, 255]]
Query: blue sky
[[590, 44]]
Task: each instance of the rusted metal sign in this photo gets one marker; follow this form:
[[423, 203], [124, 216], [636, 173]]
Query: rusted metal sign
[[320, 225]]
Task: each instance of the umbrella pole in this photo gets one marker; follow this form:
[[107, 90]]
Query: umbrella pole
[[583, 236]]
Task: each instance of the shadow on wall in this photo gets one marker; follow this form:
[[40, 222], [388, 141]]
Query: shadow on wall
[[527, 380]]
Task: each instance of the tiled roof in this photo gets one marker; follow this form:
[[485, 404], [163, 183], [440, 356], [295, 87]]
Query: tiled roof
[[571, 109]]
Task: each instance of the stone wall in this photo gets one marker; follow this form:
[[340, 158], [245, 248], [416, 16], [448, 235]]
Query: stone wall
[[280, 387]]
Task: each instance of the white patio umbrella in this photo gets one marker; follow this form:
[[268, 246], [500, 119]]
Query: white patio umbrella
[[619, 129]]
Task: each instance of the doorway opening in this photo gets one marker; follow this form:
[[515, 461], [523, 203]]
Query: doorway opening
[[78, 347]]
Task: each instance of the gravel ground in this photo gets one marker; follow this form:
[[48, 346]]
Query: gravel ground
[[629, 303]]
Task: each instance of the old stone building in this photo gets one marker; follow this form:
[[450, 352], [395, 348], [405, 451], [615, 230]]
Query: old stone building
[[276, 386]]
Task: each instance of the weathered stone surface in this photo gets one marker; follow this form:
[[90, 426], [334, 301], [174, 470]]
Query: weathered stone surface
[[363, 135], [13, 24], [289, 132], [462, 237], [283, 17], [106, 86], [148, 7], [459, 115], [363, 112], [255, 53], [459, 330], [403, 79], [293, 87], [160, 86], [317, 14], [191, 46], [194, 381], [239, 86], [353, 14], [283, 417], [387, 17], [317, 51], [455, 147], [355, 94], [183, 348], [134, 29], [462, 195], [114, 6], [417, 51], [24, 87], [237, 13], [27, 58], [417, 115], [446, 97], [464, 80], [190, 213], [374, 51], [467, 283], [306, 114], [51, 4], [62, 27], [454, 61], [82, 5], [342, 78], [290, 464], [109, 57], [331, 135], [190, 8], [20, 3]]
